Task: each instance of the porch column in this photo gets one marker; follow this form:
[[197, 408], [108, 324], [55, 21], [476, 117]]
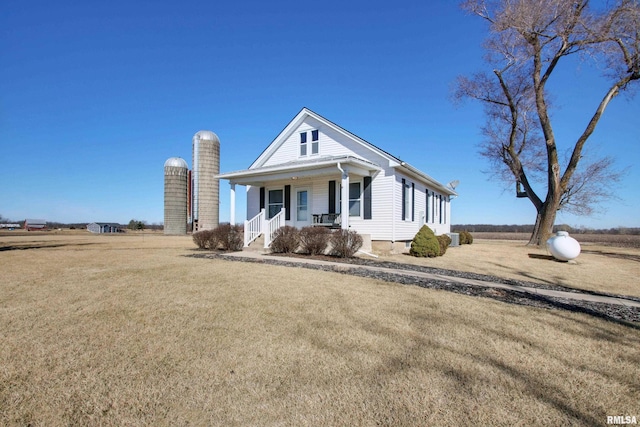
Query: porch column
[[344, 207], [232, 203]]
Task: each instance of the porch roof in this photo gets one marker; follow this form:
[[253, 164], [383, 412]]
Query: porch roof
[[321, 166]]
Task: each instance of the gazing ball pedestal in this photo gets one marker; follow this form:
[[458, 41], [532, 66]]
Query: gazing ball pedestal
[[563, 247]]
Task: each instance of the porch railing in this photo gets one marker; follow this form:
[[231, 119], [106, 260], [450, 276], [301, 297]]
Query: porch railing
[[253, 228], [259, 224], [272, 225]]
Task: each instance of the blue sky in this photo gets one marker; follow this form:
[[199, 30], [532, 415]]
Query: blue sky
[[95, 96]]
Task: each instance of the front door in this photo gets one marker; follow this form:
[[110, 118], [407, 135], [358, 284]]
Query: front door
[[302, 215]]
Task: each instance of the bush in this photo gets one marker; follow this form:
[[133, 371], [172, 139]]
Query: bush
[[465, 238], [314, 240], [444, 242], [199, 240], [228, 237], [425, 244], [345, 243], [285, 240], [205, 239]]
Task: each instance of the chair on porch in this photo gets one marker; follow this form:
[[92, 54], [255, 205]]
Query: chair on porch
[[327, 220]]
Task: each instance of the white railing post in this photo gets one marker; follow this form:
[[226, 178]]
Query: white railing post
[[265, 228]]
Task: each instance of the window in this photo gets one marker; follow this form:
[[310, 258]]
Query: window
[[276, 202], [354, 199], [429, 206], [302, 206], [303, 144], [434, 200], [407, 200], [314, 141]]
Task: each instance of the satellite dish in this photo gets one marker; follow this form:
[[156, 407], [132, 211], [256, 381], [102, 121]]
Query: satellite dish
[[453, 184]]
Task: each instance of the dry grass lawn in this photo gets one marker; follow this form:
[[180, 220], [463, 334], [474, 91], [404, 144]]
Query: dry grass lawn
[[598, 268], [124, 330]]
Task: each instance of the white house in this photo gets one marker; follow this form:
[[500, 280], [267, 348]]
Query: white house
[[317, 173]]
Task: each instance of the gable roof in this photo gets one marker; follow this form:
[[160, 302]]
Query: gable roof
[[299, 118], [35, 221]]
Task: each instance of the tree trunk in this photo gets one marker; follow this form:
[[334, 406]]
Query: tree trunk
[[545, 219]]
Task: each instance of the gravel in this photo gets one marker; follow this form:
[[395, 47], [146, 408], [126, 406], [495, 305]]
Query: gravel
[[629, 316]]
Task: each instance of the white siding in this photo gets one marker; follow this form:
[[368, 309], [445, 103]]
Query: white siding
[[407, 229], [380, 224], [331, 143], [253, 201], [320, 195], [386, 208]]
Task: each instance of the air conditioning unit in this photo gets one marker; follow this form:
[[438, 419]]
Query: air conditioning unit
[[455, 239]]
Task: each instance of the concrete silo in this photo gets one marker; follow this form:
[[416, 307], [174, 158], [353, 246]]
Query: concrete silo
[[205, 187], [175, 196]]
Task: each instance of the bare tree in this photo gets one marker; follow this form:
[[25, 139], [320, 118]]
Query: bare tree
[[528, 40]]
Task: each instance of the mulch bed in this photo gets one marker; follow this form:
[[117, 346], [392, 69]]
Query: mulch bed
[[629, 316]]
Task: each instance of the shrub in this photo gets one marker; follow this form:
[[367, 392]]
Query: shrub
[[345, 243], [198, 239], [425, 243], [314, 240], [469, 237], [465, 238], [444, 242], [205, 239], [228, 237], [285, 240]]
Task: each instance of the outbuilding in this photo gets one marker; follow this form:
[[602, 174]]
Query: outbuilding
[[104, 227], [35, 225]]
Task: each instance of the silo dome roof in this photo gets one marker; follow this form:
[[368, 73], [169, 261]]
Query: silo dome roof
[[208, 135], [176, 162]]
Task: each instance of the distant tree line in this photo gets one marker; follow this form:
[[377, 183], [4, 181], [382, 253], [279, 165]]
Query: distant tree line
[[528, 228]]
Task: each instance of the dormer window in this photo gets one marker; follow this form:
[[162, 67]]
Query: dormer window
[[315, 147]]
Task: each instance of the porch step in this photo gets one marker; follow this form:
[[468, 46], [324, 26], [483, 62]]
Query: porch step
[[257, 245]]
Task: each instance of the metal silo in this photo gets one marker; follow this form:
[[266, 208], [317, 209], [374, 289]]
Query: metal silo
[[175, 196], [205, 187]]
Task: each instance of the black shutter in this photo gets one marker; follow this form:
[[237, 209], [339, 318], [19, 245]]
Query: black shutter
[[332, 197], [404, 195], [413, 201], [367, 197], [261, 198], [287, 202]]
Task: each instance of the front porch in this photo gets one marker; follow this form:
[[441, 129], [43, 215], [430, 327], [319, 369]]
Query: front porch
[[260, 225], [313, 193]]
